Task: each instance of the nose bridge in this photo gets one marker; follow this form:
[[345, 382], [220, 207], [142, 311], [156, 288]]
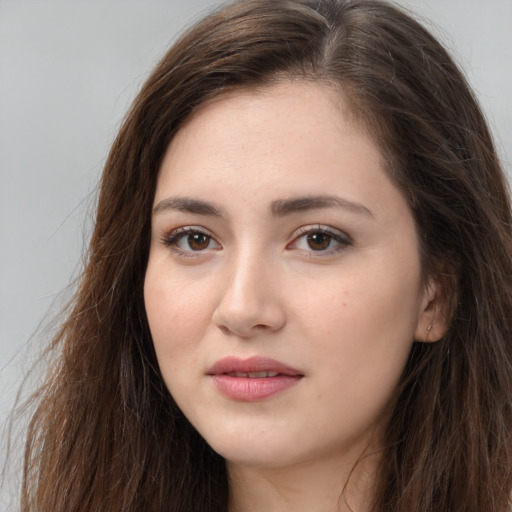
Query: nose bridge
[[249, 301]]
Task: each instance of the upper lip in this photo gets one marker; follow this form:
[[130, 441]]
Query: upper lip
[[234, 364]]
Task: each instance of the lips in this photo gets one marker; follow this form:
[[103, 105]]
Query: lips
[[253, 379], [253, 375]]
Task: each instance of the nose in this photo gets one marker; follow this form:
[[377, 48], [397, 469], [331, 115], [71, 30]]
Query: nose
[[250, 303]]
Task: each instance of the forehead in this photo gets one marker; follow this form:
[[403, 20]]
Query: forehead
[[248, 149], [292, 123]]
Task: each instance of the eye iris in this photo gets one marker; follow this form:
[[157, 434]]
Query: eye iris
[[318, 241], [198, 241]]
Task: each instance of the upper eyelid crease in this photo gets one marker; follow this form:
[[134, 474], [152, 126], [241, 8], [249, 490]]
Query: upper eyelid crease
[[336, 234], [174, 236], [187, 230]]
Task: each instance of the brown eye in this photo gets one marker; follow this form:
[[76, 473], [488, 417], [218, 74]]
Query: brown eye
[[322, 240], [198, 241], [318, 241], [189, 240]]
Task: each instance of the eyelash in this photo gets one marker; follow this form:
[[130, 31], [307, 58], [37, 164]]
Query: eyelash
[[174, 237], [341, 239]]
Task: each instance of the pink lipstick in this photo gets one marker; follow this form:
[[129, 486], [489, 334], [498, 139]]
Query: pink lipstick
[[253, 379]]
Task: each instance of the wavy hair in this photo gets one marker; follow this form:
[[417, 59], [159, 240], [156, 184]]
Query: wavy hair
[[107, 435]]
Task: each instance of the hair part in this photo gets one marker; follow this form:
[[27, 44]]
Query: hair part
[[107, 435]]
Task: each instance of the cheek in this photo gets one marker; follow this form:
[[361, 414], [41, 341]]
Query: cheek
[[177, 317], [365, 320], [360, 339]]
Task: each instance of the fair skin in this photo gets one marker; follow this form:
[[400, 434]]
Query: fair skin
[[329, 287]]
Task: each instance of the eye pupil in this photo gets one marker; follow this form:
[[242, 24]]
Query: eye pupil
[[318, 241], [198, 241]]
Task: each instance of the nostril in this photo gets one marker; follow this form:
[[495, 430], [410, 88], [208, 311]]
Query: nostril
[[224, 329], [241, 333]]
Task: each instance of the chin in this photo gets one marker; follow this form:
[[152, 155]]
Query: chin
[[262, 449], [251, 447]]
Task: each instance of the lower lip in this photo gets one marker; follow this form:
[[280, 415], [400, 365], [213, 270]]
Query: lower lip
[[245, 389]]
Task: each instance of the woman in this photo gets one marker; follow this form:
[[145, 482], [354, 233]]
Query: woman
[[297, 295]]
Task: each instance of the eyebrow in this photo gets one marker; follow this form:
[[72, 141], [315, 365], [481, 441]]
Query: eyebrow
[[189, 205], [279, 207], [284, 207]]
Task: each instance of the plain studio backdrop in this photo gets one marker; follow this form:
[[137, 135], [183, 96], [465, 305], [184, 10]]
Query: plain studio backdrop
[[68, 72]]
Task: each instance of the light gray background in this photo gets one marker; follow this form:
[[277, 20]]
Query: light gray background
[[68, 71]]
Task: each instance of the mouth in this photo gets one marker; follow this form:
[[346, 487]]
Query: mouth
[[253, 375], [256, 367], [253, 379]]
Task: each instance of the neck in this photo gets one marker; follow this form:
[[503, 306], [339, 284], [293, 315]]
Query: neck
[[326, 486]]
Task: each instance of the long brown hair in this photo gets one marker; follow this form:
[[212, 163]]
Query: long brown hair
[[107, 436]]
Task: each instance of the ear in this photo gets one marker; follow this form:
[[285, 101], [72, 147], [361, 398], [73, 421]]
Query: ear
[[434, 314]]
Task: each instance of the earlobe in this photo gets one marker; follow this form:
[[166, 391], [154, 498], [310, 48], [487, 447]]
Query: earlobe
[[430, 332]]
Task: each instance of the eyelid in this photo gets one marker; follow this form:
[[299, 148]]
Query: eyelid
[[343, 239], [174, 236]]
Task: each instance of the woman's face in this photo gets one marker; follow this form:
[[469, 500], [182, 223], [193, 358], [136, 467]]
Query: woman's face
[[283, 288]]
